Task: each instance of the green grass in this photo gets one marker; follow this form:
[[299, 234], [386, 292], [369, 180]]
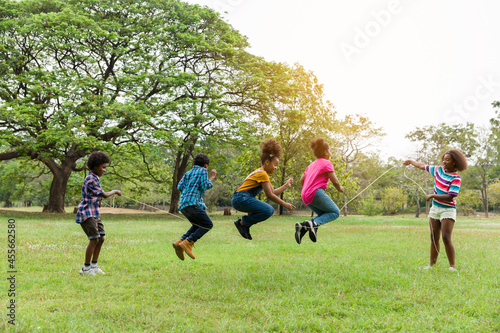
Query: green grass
[[364, 274], [31, 209]]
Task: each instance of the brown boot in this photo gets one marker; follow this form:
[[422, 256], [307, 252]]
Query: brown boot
[[188, 247], [178, 250]]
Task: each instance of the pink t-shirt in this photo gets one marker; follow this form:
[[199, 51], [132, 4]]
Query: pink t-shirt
[[315, 177]]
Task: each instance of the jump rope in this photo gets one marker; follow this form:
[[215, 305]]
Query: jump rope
[[357, 195]]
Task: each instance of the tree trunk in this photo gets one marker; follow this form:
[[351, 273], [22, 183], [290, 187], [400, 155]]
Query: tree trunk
[[179, 171], [59, 183], [282, 196], [345, 206], [484, 194], [417, 214], [280, 206]]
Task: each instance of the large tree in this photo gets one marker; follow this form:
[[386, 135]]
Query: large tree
[[81, 75], [222, 93], [484, 163], [436, 139]]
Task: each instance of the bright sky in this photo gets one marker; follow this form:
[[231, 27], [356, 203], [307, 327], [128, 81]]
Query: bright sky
[[401, 63]]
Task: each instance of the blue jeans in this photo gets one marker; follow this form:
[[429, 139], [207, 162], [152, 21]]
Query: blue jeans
[[322, 205], [258, 211], [202, 224]]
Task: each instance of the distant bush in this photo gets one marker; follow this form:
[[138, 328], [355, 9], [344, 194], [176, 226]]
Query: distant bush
[[370, 207], [467, 201], [494, 194], [392, 200]]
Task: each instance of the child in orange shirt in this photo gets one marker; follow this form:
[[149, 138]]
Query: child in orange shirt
[[244, 199]]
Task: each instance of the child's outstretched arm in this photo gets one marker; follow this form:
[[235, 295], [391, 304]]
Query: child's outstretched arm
[[213, 174], [282, 189], [269, 191], [110, 193], [419, 165], [335, 181]]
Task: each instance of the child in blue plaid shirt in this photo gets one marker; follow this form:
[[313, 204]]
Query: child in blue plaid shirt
[[88, 215], [193, 186]]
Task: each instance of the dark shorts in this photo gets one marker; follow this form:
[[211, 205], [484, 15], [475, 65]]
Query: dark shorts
[[93, 227]]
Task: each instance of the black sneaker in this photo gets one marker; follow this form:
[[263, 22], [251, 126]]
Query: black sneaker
[[313, 230], [300, 231], [247, 229], [243, 229]]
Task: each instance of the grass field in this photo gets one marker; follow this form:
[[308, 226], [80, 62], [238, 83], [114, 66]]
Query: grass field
[[364, 274]]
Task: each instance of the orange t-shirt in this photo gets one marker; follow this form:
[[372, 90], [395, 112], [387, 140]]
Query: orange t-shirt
[[254, 179]]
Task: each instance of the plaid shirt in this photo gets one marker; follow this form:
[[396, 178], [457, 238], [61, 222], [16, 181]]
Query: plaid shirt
[[193, 186], [91, 195]]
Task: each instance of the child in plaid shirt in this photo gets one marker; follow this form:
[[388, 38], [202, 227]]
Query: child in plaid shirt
[[88, 215], [192, 187]]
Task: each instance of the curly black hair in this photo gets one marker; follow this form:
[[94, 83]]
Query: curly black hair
[[97, 158], [201, 160], [458, 157], [319, 146], [269, 149]]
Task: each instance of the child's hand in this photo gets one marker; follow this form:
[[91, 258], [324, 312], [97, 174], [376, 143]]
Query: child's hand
[[429, 197], [289, 206], [407, 162], [289, 182], [100, 204], [341, 189], [118, 192], [213, 173]]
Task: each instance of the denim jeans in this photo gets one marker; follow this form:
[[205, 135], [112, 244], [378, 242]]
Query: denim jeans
[[258, 211], [202, 224], [324, 207]]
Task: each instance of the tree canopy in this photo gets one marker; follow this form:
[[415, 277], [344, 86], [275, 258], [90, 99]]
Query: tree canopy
[[83, 75]]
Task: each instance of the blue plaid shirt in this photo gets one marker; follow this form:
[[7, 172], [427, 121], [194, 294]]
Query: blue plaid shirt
[[91, 195], [193, 186]]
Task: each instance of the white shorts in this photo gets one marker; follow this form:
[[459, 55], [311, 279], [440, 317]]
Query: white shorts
[[439, 213]]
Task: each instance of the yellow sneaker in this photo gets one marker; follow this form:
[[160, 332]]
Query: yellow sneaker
[[187, 246], [178, 250]]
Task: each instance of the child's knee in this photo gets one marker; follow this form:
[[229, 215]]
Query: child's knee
[[100, 239], [446, 238], [270, 211]]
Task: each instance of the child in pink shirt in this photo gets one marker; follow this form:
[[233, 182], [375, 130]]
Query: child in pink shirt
[[314, 183]]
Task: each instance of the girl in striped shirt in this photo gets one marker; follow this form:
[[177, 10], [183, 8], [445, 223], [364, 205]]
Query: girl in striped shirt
[[443, 213]]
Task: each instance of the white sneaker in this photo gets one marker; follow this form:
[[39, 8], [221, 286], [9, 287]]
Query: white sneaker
[[98, 270], [452, 269], [428, 267], [89, 271]]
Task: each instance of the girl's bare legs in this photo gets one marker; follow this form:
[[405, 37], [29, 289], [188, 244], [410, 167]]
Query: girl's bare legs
[[447, 229], [435, 235]]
